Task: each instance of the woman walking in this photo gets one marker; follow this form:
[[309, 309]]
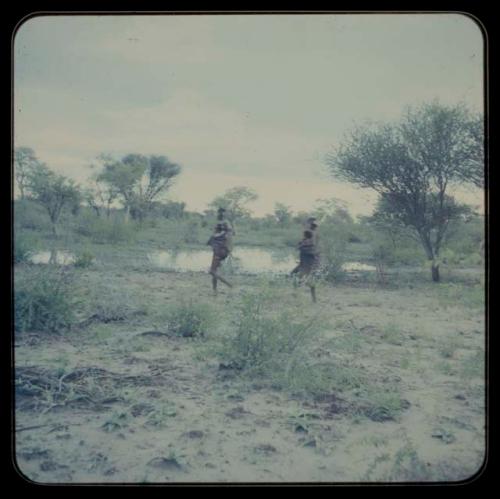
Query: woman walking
[[308, 257], [221, 242]]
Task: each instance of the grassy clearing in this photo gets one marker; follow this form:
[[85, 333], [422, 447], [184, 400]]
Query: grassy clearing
[[178, 385]]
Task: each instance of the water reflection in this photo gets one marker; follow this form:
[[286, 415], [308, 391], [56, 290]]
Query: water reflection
[[53, 256], [358, 267], [243, 260]]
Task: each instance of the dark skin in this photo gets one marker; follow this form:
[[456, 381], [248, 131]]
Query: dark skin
[[216, 277], [219, 256], [305, 267]]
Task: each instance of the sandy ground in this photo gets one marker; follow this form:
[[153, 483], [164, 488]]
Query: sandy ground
[[167, 412]]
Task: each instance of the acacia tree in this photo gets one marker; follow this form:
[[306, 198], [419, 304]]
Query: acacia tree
[[25, 162], [55, 192], [138, 180], [412, 163], [234, 200]]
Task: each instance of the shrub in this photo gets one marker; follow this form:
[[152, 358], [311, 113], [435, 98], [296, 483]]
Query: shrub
[[190, 319], [30, 215], [333, 244], [269, 344], [410, 255], [84, 259], [106, 230], [44, 300], [382, 254], [25, 244], [449, 257], [381, 405]]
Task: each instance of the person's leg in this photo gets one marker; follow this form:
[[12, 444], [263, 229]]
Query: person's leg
[[309, 280], [313, 292], [216, 262], [213, 272], [224, 281], [222, 257], [314, 278]]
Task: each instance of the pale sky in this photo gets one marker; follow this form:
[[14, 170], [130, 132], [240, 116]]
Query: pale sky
[[237, 100]]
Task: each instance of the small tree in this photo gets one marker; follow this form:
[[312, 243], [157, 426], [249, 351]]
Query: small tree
[[234, 201], [54, 192], [411, 165], [25, 163]]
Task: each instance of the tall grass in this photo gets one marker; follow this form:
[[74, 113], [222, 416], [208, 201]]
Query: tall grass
[[333, 245], [45, 299], [271, 344], [190, 319]]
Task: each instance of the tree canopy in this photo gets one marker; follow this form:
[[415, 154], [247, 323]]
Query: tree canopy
[[412, 163], [138, 180], [235, 202], [25, 162]]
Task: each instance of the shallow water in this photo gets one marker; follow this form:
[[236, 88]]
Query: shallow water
[[358, 267], [55, 256], [243, 260]]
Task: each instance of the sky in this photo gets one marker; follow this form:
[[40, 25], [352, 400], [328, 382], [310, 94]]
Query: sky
[[236, 100]]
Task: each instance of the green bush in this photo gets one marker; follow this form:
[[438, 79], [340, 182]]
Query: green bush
[[190, 319], [44, 299], [30, 215], [269, 344], [333, 245], [409, 255], [106, 230], [84, 259], [25, 244], [464, 238]]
